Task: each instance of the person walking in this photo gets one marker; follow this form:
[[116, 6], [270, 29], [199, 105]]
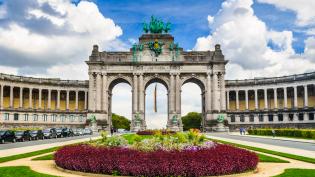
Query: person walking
[[273, 133]]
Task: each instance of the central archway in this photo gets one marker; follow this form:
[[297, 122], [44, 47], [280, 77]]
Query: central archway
[[192, 103], [156, 115]]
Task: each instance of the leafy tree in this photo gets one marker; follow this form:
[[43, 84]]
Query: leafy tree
[[120, 122], [192, 120]]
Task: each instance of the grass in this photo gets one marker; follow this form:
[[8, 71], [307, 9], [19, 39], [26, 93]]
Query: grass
[[266, 158], [294, 172], [281, 154], [20, 171], [45, 157], [29, 154]]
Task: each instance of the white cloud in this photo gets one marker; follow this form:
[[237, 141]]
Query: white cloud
[[246, 41], [8, 70], [73, 31], [304, 9]]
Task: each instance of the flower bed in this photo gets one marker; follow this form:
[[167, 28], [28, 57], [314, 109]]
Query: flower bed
[[218, 160], [152, 132]]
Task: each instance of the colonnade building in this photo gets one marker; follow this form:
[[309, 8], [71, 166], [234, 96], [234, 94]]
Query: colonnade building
[[41, 102], [287, 101]]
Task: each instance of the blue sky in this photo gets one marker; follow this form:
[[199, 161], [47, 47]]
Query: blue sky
[[188, 18]]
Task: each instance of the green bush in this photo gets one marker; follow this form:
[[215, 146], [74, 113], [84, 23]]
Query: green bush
[[298, 133]]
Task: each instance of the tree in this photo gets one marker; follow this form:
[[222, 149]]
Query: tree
[[191, 120], [120, 122]]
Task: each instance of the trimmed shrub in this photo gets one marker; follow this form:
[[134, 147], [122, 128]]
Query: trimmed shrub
[[299, 133], [220, 160]]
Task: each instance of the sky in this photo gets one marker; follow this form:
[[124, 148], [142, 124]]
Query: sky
[[260, 38]]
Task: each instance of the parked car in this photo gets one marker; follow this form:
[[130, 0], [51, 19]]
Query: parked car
[[68, 132], [23, 135], [76, 132], [81, 131], [87, 131], [37, 134], [61, 133], [7, 136], [50, 133]]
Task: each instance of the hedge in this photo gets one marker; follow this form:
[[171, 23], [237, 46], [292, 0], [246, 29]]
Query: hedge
[[219, 160], [299, 133]]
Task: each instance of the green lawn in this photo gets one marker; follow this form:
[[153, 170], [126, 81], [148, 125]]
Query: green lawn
[[45, 157], [295, 172], [266, 158], [281, 154], [25, 155], [20, 171]]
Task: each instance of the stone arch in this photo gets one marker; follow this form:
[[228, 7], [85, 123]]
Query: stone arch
[[196, 80], [113, 81], [159, 79]]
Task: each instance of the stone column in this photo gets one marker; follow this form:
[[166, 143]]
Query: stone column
[[256, 99], [275, 98], [215, 100], [295, 97], [67, 100], [105, 93], [134, 93], [21, 97], [1, 97], [237, 100], [76, 100], [305, 96], [171, 94], [266, 98], [39, 98], [222, 93], [208, 97], [31, 98], [85, 100], [58, 99], [285, 98], [246, 100], [177, 91], [49, 99], [228, 99], [98, 91], [11, 96], [91, 101], [141, 93]]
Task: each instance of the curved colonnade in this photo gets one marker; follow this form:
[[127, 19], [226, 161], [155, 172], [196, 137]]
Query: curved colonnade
[[28, 101], [287, 101]]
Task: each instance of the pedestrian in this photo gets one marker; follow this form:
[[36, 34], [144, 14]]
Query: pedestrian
[[244, 131], [273, 132], [111, 131], [241, 131]]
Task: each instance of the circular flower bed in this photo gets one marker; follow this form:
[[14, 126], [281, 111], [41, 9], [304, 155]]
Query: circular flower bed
[[217, 160]]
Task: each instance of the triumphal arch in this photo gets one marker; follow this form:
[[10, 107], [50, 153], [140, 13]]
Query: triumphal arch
[[157, 58]]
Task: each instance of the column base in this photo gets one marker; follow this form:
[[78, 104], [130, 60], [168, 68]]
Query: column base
[[99, 117], [219, 126], [138, 122], [174, 122]]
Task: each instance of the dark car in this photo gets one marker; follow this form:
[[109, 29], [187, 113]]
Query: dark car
[[37, 134], [50, 133], [23, 135], [68, 132], [60, 132], [7, 136]]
